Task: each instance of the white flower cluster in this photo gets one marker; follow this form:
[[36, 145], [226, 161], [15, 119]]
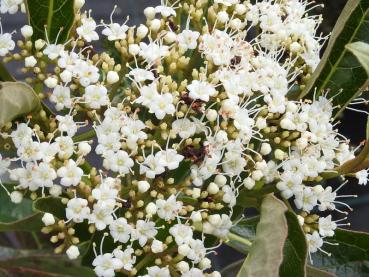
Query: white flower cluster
[[185, 116]]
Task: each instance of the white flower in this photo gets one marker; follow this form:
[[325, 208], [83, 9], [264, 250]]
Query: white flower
[[61, 97], [106, 264], [119, 162], [142, 75], [168, 209], [101, 216], [10, 6], [66, 147], [153, 52], [314, 241], [362, 177], [87, 73], [77, 210], [4, 165], [120, 230], [290, 184], [156, 271], [327, 226], [6, 44], [43, 175], [126, 257], [188, 40], [73, 252], [152, 166], [144, 231], [306, 199], [87, 29], [67, 125], [184, 127], [70, 174], [114, 31], [96, 96], [53, 51], [169, 158], [161, 105], [201, 90], [218, 225], [181, 233], [197, 250]]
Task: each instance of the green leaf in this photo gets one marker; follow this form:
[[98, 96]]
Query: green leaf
[[31, 223], [339, 69], [51, 205], [16, 99], [232, 269], [10, 211], [4, 74], [56, 15], [361, 52], [316, 272], [348, 259], [34, 263], [266, 253], [295, 249]]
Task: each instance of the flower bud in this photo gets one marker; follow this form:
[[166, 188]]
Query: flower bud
[[150, 13], [84, 148], [211, 115], [184, 249], [72, 252], [222, 16], [112, 77], [213, 188], [16, 197], [66, 76], [240, 9], [48, 219], [220, 180], [265, 149], [204, 264], [78, 4], [155, 25], [27, 31], [151, 208], [157, 246], [143, 186], [51, 82], [279, 154], [196, 216], [249, 183], [142, 31], [39, 44], [30, 61], [170, 37], [183, 266], [134, 49]]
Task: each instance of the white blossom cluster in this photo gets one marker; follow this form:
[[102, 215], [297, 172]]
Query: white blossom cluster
[[183, 117]]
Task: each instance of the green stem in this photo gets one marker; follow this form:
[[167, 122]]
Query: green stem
[[232, 236], [85, 136], [144, 262]]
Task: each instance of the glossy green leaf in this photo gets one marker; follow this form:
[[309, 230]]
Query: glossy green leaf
[[30, 223], [51, 205], [10, 211], [232, 269], [295, 249], [16, 99], [348, 259], [266, 253], [56, 16], [339, 68], [361, 51], [35, 263], [316, 272]]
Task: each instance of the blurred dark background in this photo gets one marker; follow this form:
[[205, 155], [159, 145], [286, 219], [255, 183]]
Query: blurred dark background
[[352, 126]]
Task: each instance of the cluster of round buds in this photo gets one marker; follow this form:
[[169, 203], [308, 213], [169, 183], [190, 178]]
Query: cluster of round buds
[[182, 116]]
